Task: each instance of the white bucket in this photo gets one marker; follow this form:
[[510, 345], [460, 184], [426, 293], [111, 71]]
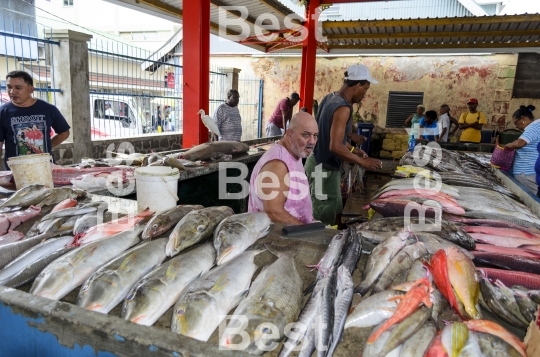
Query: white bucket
[[31, 170], [157, 187]]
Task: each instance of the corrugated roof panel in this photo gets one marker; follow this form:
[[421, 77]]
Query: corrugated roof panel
[[490, 8], [400, 9], [220, 45]]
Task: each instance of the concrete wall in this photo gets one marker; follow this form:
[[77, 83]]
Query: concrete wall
[[443, 79], [63, 154]]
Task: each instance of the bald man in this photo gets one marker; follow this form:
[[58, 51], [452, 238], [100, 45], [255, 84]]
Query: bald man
[[278, 184]]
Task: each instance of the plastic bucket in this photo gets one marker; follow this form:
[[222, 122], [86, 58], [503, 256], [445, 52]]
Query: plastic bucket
[[157, 187], [31, 170]]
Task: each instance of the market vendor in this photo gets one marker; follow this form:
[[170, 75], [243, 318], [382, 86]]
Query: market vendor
[[413, 120], [471, 123], [526, 155], [334, 119], [26, 122], [278, 184]]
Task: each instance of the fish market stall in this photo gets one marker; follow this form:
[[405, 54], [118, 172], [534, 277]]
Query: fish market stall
[[140, 283]]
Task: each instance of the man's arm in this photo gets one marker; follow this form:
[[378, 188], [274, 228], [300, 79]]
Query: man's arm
[[218, 119], [59, 138], [408, 120], [443, 131], [284, 121], [455, 123], [337, 129], [274, 204]]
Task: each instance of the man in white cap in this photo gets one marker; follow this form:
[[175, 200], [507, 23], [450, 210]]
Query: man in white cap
[[334, 119]]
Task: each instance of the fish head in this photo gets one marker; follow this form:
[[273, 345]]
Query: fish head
[[141, 303], [195, 316], [263, 323], [51, 281], [230, 240], [97, 291], [155, 227]]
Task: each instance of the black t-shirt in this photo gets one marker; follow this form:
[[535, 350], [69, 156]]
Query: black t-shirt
[[27, 131]]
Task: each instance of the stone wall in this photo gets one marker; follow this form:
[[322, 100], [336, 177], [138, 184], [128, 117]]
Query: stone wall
[[63, 154]]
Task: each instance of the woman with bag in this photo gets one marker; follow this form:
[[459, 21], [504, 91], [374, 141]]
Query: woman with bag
[[526, 154]]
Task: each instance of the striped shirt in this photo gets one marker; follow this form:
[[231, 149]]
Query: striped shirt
[[525, 158], [229, 122]]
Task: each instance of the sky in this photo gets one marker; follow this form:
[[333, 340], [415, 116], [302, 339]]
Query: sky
[[514, 7]]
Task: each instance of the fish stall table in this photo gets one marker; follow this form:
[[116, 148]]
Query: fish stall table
[[36, 326]]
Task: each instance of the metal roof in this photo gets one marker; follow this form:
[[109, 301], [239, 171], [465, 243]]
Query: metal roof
[[486, 32]]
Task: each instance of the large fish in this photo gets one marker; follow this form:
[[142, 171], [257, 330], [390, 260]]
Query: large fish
[[59, 194], [492, 298], [29, 264], [11, 220], [238, 232], [164, 221], [464, 281], [417, 344], [195, 227], [72, 269], [503, 232], [27, 196], [274, 297], [108, 229], [77, 211], [207, 150], [508, 261], [379, 259], [110, 284], [373, 310], [156, 292], [396, 206], [10, 251], [492, 328], [205, 302]]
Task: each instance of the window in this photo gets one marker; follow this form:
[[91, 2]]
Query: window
[[68, 2], [400, 106], [526, 84]]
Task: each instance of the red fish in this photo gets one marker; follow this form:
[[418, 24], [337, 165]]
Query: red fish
[[503, 232], [439, 269], [494, 329], [506, 251], [67, 203], [105, 230], [436, 349], [408, 303], [511, 278]]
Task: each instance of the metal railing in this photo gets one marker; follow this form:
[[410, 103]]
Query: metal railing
[[24, 46]]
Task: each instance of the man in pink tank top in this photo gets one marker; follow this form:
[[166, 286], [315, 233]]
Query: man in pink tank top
[[278, 184]]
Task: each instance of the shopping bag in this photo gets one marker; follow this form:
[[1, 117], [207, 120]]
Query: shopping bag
[[502, 158]]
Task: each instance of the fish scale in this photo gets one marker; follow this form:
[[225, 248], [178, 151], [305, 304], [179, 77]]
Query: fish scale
[[156, 292], [276, 297], [205, 302], [110, 284]]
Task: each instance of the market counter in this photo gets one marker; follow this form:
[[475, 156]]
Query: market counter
[[38, 327]]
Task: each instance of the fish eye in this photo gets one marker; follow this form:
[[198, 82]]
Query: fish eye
[[200, 228], [130, 296], [155, 225], [180, 311]]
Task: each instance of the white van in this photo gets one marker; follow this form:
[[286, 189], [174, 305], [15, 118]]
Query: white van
[[115, 116]]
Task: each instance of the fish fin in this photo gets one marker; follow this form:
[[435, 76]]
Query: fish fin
[[290, 249], [309, 288], [266, 231]]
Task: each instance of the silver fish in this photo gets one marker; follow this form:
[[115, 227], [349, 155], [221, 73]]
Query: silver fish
[[110, 284], [274, 297], [195, 227], [77, 211], [343, 300], [10, 251], [59, 194], [373, 310], [156, 292], [84, 222], [373, 349], [417, 344], [405, 329], [163, 221], [238, 232], [493, 346], [72, 269], [27, 196], [492, 297], [400, 262], [205, 302], [26, 266], [379, 259]]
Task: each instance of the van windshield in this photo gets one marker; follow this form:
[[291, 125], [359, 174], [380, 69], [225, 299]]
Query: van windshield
[[115, 110]]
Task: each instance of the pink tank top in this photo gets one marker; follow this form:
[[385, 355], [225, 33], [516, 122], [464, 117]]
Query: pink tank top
[[298, 202]]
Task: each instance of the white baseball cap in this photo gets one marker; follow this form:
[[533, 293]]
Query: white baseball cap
[[359, 72]]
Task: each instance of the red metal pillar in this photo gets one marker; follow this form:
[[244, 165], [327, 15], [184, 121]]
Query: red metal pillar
[[309, 57], [196, 70]]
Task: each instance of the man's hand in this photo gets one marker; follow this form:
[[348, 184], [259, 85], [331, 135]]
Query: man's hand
[[358, 139], [371, 164], [360, 153]]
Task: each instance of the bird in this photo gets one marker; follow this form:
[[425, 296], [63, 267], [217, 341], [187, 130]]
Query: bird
[[210, 124]]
